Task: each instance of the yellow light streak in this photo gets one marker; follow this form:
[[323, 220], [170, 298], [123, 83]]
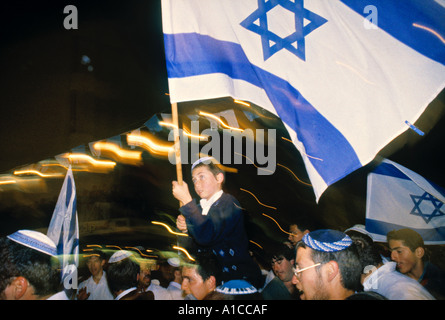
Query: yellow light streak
[[259, 168], [241, 102], [43, 175], [264, 205], [105, 164], [148, 144], [8, 182], [143, 255], [185, 130], [185, 251], [283, 166], [113, 246], [202, 113], [302, 152], [256, 244], [276, 223], [169, 229], [122, 155], [434, 32]]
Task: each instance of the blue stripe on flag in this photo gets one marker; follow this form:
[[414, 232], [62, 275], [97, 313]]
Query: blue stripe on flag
[[194, 54], [419, 25], [388, 169], [382, 228]]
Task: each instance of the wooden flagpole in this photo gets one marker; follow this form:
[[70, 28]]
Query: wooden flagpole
[[177, 144]]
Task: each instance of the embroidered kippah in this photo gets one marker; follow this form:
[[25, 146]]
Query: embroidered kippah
[[327, 240], [34, 240], [119, 256], [207, 160], [236, 287]]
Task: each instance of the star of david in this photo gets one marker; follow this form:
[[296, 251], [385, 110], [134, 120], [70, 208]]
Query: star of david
[[426, 216], [271, 42]]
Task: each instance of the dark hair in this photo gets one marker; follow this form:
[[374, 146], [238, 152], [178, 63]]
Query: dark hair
[[368, 251], [285, 252], [207, 265], [410, 238], [123, 275], [348, 262], [214, 168], [40, 269]]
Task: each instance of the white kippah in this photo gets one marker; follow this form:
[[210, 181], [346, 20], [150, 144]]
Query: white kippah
[[119, 256], [206, 160], [34, 240]]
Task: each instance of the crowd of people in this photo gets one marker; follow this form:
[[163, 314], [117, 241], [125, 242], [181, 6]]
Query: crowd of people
[[322, 264]]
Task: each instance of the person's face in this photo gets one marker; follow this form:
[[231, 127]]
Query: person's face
[[402, 255], [308, 282], [295, 234], [206, 184], [145, 277], [95, 265], [282, 268], [192, 283]]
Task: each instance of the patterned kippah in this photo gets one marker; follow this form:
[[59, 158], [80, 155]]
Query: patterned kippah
[[327, 240], [34, 240], [236, 287]]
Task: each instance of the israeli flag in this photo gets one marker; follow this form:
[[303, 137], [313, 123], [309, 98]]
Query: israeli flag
[[345, 77], [64, 231], [400, 198]]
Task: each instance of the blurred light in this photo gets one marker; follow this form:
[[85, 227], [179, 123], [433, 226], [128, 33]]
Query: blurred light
[[143, 255], [434, 32], [185, 130], [241, 102], [276, 223], [185, 251], [264, 205], [43, 175], [308, 184], [119, 154], [96, 164], [148, 144], [202, 113], [300, 151], [169, 229], [2, 182], [256, 244]]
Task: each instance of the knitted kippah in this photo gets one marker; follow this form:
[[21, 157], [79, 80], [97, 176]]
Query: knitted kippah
[[327, 240], [34, 240], [236, 287]]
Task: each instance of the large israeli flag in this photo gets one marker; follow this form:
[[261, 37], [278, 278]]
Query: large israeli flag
[[400, 198], [64, 230], [346, 77]]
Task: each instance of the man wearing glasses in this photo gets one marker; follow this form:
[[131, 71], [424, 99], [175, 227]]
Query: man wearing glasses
[[328, 267]]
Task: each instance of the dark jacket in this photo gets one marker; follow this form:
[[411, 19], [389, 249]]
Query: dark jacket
[[222, 231]]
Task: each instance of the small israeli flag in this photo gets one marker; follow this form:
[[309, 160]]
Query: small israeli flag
[[400, 198], [64, 231]]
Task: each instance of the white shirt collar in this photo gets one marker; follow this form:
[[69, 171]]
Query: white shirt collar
[[206, 204]]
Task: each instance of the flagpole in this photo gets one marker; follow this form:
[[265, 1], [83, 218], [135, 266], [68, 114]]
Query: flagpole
[[177, 143]]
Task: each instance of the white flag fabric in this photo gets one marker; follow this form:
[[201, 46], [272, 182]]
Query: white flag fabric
[[343, 76], [64, 227], [400, 198]]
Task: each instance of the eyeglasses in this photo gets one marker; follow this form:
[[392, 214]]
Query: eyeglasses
[[297, 271]]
